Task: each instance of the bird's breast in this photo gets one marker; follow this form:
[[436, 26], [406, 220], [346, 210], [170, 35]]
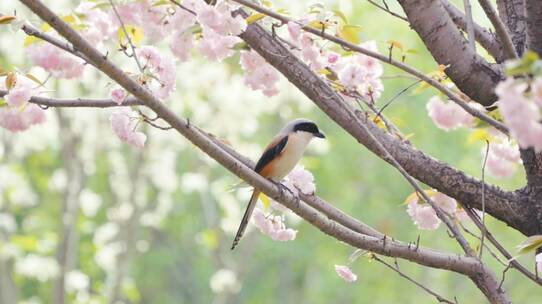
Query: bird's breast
[[290, 156]]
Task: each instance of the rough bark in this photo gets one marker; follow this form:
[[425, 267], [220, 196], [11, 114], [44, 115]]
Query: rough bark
[[470, 72], [486, 39], [533, 14], [512, 12]]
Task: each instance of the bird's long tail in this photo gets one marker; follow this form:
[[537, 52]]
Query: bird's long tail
[[246, 217]]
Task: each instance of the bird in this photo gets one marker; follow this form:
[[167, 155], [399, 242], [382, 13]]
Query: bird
[[279, 158]]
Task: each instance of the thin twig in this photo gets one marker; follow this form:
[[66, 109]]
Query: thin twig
[[396, 96], [477, 221], [350, 46], [125, 31], [493, 254], [483, 200], [387, 10], [500, 29], [412, 280]]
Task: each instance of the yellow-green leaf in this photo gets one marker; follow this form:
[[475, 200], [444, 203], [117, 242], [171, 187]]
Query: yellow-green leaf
[[395, 44], [478, 135], [3, 102], [33, 78], [265, 200], [415, 197], [350, 33], [7, 19], [208, 238], [29, 40], [134, 32], [340, 15], [530, 244], [25, 242], [254, 18]]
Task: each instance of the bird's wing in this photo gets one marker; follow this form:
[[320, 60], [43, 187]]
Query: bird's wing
[[272, 151]]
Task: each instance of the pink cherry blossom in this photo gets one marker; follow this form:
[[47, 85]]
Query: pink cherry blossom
[[273, 226], [520, 114], [423, 215], [161, 66], [259, 75], [118, 95], [302, 179], [182, 20], [352, 76], [502, 158], [446, 203], [123, 123], [251, 60], [219, 19], [150, 56], [181, 45], [20, 93], [536, 89], [294, 30], [346, 273], [20, 119], [215, 46], [58, 62], [373, 67], [99, 24], [448, 116], [332, 58]]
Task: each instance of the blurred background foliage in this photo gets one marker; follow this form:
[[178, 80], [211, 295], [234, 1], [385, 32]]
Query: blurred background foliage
[[155, 225]]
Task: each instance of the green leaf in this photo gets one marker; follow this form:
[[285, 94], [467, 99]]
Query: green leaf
[[33, 78], [340, 15], [522, 65], [134, 32], [350, 33], [3, 102], [254, 18], [265, 200], [25, 242], [530, 244]]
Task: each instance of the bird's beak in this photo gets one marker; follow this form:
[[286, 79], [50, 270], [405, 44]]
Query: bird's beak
[[319, 135]]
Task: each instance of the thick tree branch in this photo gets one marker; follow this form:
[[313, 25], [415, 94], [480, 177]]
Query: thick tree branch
[[486, 39], [500, 29], [512, 13], [469, 71], [444, 178], [349, 46], [465, 265], [533, 12]]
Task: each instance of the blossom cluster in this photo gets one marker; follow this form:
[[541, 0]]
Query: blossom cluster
[[424, 216], [18, 114], [521, 108]]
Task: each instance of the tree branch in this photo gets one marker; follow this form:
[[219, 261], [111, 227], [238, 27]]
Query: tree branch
[[465, 265], [512, 13], [533, 12], [486, 39], [500, 29], [78, 102], [470, 72]]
